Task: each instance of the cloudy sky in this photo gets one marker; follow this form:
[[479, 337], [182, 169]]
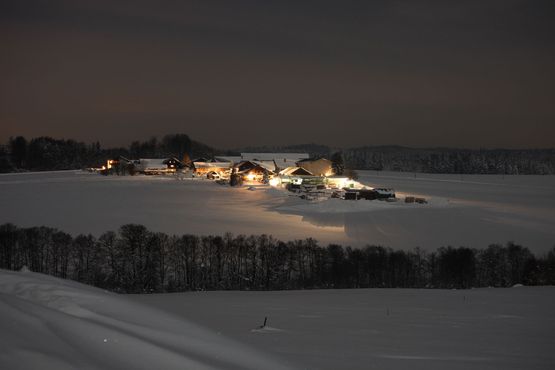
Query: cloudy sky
[[232, 73]]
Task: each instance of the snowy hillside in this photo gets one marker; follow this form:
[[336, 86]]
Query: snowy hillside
[[49, 323]]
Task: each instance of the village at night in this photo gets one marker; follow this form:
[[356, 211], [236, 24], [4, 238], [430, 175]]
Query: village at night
[[277, 184], [308, 178]]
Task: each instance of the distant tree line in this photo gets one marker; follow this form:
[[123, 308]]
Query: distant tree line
[[136, 260], [433, 160], [454, 161], [47, 154]]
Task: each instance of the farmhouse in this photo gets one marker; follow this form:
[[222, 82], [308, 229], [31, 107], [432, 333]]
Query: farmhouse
[[251, 170], [281, 160], [316, 166], [212, 169], [118, 166], [155, 166]]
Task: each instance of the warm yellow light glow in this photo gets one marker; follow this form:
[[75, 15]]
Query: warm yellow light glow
[[274, 181], [251, 176]]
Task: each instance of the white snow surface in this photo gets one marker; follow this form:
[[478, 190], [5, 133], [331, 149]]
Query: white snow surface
[[473, 211], [479, 329], [49, 323]]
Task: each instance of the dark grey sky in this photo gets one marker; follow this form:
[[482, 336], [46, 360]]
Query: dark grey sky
[[232, 73]]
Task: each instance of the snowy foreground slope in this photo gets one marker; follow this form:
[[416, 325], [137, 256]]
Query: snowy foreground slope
[[512, 328], [49, 323]]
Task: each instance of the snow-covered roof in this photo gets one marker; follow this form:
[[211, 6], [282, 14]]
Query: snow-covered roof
[[148, 163], [269, 165], [274, 156], [291, 170], [245, 166], [212, 164]]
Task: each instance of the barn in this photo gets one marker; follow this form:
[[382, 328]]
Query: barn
[[251, 170], [316, 166]]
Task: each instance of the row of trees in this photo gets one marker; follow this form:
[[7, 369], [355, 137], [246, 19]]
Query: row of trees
[[137, 260], [454, 161], [434, 160], [46, 153]]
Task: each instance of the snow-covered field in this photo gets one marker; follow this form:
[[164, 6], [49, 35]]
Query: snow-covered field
[[511, 328], [48, 323], [465, 210]]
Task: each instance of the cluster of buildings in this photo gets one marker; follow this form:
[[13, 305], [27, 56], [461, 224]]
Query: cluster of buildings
[[264, 167], [295, 171], [272, 168]]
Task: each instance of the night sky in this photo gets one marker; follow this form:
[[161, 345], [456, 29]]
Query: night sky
[[234, 73]]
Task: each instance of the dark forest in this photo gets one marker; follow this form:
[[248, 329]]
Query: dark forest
[[136, 260]]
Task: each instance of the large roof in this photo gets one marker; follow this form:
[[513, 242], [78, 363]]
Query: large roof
[[212, 164], [245, 166], [147, 163], [269, 165], [294, 170]]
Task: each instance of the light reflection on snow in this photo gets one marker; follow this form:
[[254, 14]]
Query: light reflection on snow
[[473, 213]]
